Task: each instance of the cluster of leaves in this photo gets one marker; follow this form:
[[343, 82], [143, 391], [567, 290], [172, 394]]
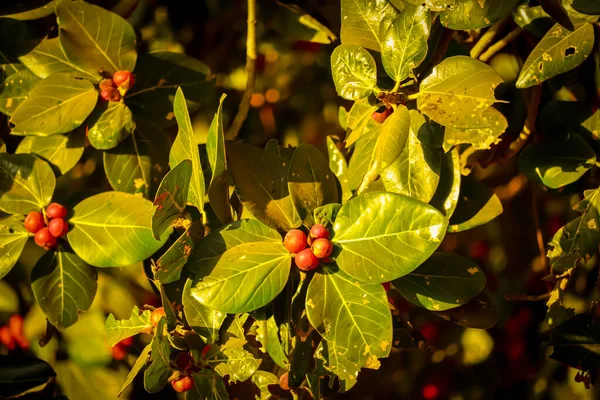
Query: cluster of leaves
[[233, 298]]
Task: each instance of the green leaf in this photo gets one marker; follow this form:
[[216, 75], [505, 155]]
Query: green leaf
[[170, 264], [57, 104], [477, 205], [261, 182], [575, 342], [158, 75], [444, 281], [534, 19], [49, 58], [63, 286], [262, 380], [139, 163], [310, 181], [157, 374], [300, 25], [479, 313], [15, 89], [391, 139], [353, 317], [339, 167], [445, 198], [559, 51], [140, 363], [354, 71], [62, 152], [110, 124], [362, 155], [365, 22], [237, 363], [117, 330], [219, 241], [205, 321], [476, 14], [479, 129], [20, 374], [557, 163], [245, 278], [590, 7], [171, 197], [433, 5], [218, 189], [95, 39], [185, 147], [326, 214], [207, 386], [359, 122], [416, 172], [384, 236], [13, 237], [580, 237], [26, 183], [113, 229], [404, 45], [457, 91], [557, 11], [267, 333], [27, 10]]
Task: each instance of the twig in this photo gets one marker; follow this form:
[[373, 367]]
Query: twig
[[487, 38], [527, 297], [250, 70], [538, 229], [529, 126], [500, 44]]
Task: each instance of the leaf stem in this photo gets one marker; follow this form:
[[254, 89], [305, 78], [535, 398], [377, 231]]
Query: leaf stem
[[244, 106], [527, 297], [487, 38], [500, 44], [413, 96], [529, 126]]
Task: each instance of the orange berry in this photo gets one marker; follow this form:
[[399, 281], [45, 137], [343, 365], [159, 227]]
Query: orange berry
[[306, 260], [380, 117], [157, 315], [322, 248], [34, 221], [58, 227], [123, 78], [45, 239], [284, 381], [55, 210], [318, 231], [183, 385], [105, 94], [106, 84], [295, 241]]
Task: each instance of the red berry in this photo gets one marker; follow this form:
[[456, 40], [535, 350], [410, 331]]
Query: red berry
[[34, 222], [430, 391], [578, 377], [115, 96], [6, 338], [157, 315], [124, 78], [386, 286], [306, 260], [284, 381], [58, 227], [119, 352], [380, 117], [295, 241], [107, 84], [183, 385], [127, 342], [106, 94], [55, 210], [322, 248], [184, 360], [44, 238], [318, 231], [206, 351]]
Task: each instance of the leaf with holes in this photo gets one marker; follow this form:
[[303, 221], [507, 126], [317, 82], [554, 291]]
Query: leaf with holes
[[171, 197], [480, 129], [95, 39], [13, 237], [63, 286], [559, 51], [476, 14], [57, 104], [378, 248], [310, 181], [113, 229], [354, 71], [238, 364], [117, 330], [157, 374], [364, 22], [26, 183], [245, 278], [404, 45], [444, 281], [62, 152]]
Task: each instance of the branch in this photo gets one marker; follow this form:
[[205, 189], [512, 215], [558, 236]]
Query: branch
[[527, 297], [244, 107], [500, 44], [487, 38], [529, 126]]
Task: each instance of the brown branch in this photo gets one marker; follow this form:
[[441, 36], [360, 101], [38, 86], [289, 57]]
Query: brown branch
[[500, 44], [527, 297], [487, 38], [244, 107]]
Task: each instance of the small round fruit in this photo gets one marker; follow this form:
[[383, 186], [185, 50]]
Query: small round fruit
[[284, 381], [380, 117], [106, 84], [58, 227], [306, 260], [105, 94], [318, 231], [295, 241], [55, 210], [157, 315], [122, 77], [115, 96], [44, 238], [183, 385], [34, 221], [322, 248]]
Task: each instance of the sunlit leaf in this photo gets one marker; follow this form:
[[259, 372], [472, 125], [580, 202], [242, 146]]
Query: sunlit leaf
[[339, 167], [13, 237], [109, 124], [354, 71], [117, 330], [62, 152], [15, 89], [201, 319], [169, 265], [140, 363], [446, 195], [171, 197], [238, 364], [477, 205], [364, 22], [476, 14]]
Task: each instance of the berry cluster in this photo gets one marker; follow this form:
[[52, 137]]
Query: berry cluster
[[112, 89], [47, 230], [585, 377], [307, 258], [12, 335]]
